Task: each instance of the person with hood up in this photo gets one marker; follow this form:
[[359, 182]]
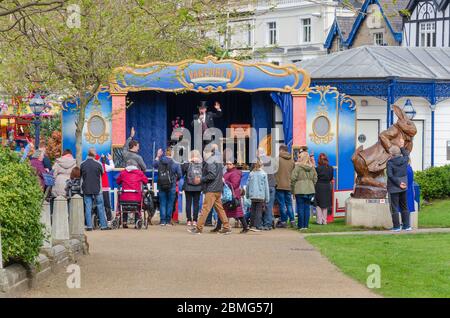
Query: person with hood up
[[283, 189], [303, 180], [131, 178], [61, 171], [397, 185]]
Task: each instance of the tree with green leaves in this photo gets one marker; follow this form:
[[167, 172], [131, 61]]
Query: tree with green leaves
[[72, 49]]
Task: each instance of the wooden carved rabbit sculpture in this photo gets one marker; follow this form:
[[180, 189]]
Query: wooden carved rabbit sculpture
[[370, 163]]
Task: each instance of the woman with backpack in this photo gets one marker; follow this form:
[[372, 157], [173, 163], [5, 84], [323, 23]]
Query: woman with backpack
[[233, 208], [192, 187], [169, 172]]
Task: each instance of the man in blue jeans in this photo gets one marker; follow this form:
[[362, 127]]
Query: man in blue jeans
[[166, 184], [91, 178], [283, 187]]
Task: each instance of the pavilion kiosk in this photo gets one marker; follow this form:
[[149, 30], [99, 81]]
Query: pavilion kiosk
[[155, 98]]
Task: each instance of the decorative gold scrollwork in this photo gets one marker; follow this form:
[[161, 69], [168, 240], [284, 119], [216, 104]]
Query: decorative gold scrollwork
[[96, 128], [321, 127]]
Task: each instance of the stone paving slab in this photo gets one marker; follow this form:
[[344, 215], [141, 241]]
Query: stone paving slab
[[170, 262]]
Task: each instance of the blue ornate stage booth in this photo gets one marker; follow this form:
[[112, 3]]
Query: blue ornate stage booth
[[151, 97]]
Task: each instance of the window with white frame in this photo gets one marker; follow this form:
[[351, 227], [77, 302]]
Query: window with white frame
[[427, 34], [306, 30], [272, 36], [378, 38], [249, 35]]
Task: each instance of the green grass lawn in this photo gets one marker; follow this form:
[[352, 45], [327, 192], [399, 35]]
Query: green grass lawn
[[416, 265], [437, 214], [337, 226]]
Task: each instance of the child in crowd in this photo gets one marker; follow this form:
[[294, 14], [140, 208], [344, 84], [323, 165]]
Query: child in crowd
[[73, 184], [246, 204], [258, 193]]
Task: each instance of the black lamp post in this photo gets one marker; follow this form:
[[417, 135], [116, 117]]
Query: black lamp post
[[37, 105]]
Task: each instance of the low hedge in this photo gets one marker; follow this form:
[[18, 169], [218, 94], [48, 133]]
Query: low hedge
[[434, 182], [20, 209]]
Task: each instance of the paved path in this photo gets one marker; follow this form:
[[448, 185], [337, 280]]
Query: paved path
[[170, 262]]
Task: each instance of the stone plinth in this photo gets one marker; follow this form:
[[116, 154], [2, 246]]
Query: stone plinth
[[60, 220], [76, 220], [372, 213], [47, 221]]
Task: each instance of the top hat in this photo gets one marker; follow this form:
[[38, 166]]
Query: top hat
[[203, 104]]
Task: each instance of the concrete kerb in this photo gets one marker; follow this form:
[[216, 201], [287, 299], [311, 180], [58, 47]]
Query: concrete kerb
[[16, 278]]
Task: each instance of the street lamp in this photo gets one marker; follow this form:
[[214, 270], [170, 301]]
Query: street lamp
[[409, 109], [37, 105]]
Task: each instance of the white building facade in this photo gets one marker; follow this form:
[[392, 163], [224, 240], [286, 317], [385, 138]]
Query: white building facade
[[281, 31], [428, 24]]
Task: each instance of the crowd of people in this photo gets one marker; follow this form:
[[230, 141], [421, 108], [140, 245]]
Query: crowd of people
[[215, 176]]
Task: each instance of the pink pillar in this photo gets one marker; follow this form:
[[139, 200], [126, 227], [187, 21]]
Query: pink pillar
[[299, 119], [119, 116]]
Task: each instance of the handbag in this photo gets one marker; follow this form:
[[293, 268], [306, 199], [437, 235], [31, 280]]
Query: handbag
[[49, 179]]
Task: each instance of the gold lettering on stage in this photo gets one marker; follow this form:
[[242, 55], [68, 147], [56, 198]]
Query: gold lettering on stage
[[210, 72]]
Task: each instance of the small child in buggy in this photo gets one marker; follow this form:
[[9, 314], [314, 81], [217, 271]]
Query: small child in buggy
[[131, 180]]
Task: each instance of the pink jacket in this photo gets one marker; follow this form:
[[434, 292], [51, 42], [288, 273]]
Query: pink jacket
[[131, 179], [233, 178]]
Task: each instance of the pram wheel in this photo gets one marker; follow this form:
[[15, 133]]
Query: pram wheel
[[139, 224]]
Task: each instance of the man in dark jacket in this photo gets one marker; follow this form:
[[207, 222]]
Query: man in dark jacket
[[205, 118], [167, 192], [212, 187], [397, 184], [130, 152], [91, 186], [283, 188]]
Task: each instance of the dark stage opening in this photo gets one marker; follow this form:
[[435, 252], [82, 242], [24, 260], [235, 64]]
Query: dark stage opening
[[152, 114]]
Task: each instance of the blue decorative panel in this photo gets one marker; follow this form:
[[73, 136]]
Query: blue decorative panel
[[210, 75], [331, 129], [321, 118], [346, 143], [97, 127]]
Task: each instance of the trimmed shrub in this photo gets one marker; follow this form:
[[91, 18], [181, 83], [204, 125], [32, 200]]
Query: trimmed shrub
[[21, 200], [434, 182]]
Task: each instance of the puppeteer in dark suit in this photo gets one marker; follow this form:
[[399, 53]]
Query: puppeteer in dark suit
[[205, 118]]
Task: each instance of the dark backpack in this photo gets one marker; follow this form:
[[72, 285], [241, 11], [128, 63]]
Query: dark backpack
[[194, 171], [164, 177]]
